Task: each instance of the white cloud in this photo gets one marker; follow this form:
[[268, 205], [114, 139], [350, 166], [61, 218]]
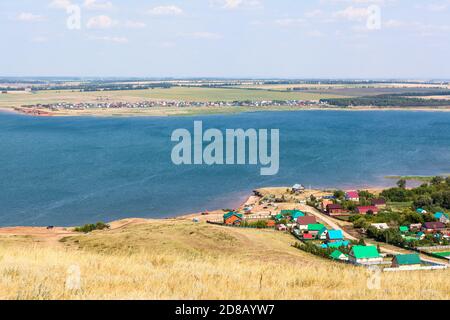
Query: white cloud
[[97, 4], [290, 22], [353, 14], [203, 35], [170, 10], [111, 39], [29, 17], [134, 24], [100, 22], [236, 4], [39, 39], [60, 4]]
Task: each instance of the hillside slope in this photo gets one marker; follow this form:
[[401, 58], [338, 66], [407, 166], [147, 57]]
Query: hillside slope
[[177, 259]]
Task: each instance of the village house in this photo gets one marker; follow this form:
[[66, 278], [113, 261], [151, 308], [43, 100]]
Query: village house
[[308, 236], [379, 203], [281, 227], [403, 229], [298, 188], [406, 261], [381, 226], [352, 196], [335, 236], [430, 227], [442, 217], [421, 211], [367, 209], [365, 255], [324, 204], [232, 218], [414, 227], [317, 230], [337, 255], [337, 244], [303, 222], [271, 223], [335, 209]]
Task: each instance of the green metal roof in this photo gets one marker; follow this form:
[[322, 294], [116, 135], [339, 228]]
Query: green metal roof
[[365, 252], [229, 214], [315, 227], [408, 259], [404, 229], [336, 255]]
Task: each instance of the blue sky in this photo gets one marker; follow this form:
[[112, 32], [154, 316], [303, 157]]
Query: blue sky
[[227, 38]]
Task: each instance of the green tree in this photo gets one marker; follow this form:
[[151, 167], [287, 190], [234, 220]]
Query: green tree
[[401, 183]]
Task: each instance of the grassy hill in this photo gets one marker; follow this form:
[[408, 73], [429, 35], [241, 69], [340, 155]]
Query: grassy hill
[[177, 259]]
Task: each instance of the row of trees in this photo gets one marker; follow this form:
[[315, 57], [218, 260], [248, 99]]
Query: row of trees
[[433, 196], [386, 100]]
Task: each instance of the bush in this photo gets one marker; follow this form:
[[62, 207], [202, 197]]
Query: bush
[[91, 227]]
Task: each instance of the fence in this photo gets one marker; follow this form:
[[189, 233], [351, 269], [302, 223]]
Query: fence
[[433, 248], [414, 268]]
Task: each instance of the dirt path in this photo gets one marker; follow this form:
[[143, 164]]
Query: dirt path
[[54, 235], [328, 220]]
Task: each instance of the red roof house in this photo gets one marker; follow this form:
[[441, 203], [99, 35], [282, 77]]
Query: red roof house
[[433, 226], [352, 196], [303, 222], [366, 209], [334, 209]]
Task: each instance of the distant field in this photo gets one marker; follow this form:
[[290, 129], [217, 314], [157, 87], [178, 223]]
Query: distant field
[[176, 93]]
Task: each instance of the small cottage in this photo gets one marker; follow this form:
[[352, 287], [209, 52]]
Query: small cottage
[[335, 209], [367, 209], [415, 227], [406, 261], [403, 229], [381, 226], [433, 227], [232, 218], [303, 222], [335, 236], [442, 217], [365, 255], [337, 255], [352, 196], [379, 203]]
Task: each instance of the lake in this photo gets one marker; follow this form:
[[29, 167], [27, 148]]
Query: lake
[[71, 171]]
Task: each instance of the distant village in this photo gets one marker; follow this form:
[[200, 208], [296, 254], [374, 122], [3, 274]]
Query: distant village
[[164, 103], [316, 227]]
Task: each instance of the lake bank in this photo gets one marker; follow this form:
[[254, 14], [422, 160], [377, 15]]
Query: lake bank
[[194, 111]]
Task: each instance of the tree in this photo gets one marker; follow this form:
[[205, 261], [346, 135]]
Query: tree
[[401, 183], [435, 181], [423, 201], [339, 194]]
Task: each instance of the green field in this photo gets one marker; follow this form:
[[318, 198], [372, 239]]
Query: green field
[[175, 93]]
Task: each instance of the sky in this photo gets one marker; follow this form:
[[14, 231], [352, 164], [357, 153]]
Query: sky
[[365, 39]]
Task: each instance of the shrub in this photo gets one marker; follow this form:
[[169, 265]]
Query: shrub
[[91, 227]]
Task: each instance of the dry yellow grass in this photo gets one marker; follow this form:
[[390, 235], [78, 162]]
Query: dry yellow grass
[[177, 259]]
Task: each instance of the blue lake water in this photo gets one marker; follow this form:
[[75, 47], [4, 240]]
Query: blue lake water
[[69, 171]]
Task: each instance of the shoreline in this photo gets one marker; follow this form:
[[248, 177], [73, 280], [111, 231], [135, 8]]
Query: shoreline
[[199, 111], [250, 200]]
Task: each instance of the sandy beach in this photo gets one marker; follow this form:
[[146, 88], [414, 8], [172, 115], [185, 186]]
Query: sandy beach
[[193, 111]]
